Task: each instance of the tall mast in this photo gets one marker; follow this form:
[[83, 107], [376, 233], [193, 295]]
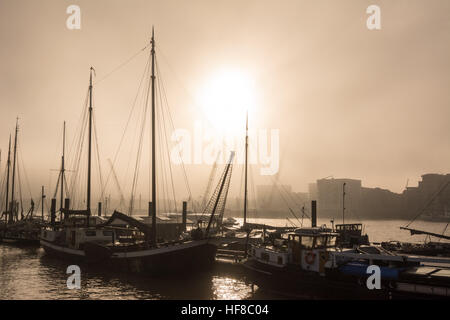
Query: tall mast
[[8, 165], [14, 169], [62, 171], [88, 199], [246, 165], [154, 237], [42, 203], [343, 204]]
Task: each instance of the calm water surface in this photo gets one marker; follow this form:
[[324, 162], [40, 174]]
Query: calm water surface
[[378, 230], [27, 273]]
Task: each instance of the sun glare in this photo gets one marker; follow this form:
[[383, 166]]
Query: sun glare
[[226, 98]]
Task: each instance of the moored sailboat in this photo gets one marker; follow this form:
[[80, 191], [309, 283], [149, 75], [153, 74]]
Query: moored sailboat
[[134, 246], [18, 228]]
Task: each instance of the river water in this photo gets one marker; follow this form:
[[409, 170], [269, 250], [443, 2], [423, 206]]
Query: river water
[[27, 273]]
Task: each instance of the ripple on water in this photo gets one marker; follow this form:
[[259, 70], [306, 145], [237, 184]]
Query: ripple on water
[[27, 273]]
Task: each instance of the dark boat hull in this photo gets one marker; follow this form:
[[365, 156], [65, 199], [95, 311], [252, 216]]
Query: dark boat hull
[[195, 255], [297, 283], [19, 238], [23, 233], [20, 241]]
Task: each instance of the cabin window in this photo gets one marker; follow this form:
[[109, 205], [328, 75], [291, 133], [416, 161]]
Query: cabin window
[[280, 260], [107, 233], [321, 242], [265, 256], [332, 241], [307, 242], [294, 239], [91, 233]]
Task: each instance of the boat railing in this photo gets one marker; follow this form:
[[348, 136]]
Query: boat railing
[[391, 258]]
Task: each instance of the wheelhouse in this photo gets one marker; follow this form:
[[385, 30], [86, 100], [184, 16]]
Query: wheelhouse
[[312, 238], [354, 228], [351, 234]]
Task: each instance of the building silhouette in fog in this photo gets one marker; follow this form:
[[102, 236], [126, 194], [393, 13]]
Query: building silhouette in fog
[[431, 197], [330, 197]]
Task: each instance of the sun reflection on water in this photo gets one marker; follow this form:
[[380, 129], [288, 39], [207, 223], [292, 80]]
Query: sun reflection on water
[[225, 288]]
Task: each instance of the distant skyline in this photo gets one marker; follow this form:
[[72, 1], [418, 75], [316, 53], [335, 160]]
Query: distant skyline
[[348, 102]]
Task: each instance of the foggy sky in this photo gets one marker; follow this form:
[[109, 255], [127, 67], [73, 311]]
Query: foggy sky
[[349, 102]]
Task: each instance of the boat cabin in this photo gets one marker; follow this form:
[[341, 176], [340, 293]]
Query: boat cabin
[[75, 233], [350, 234], [307, 248], [355, 228], [75, 237], [310, 247], [80, 221]]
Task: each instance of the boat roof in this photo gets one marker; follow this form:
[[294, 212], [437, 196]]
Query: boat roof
[[314, 231]]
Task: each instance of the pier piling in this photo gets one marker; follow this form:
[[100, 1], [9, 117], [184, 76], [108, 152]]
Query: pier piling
[[184, 216]]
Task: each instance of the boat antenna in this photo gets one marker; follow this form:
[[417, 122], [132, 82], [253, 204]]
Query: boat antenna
[[246, 166], [153, 211], [343, 203]]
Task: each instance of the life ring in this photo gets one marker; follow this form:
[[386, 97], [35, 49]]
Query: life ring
[[310, 257]]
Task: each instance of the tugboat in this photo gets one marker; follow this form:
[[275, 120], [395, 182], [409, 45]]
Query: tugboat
[[302, 263], [134, 248]]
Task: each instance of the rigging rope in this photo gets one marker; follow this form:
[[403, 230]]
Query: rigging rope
[[20, 189], [186, 180], [98, 154], [121, 65], [162, 177], [165, 135], [3, 193], [139, 151], [443, 186], [126, 126], [285, 201], [443, 232], [78, 142], [24, 170]]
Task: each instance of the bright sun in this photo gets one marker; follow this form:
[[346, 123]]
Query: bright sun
[[225, 100]]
